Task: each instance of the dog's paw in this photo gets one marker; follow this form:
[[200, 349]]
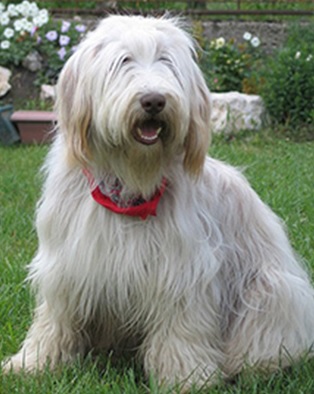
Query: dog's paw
[[14, 364], [18, 363]]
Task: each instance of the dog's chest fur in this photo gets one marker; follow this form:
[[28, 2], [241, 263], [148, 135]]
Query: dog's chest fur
[[125, 265], [137, 271]]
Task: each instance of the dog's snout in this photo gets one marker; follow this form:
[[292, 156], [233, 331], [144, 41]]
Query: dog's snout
[[153, 103]]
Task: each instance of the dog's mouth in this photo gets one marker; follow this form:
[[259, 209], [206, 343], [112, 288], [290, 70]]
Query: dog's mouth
[[148, 132]]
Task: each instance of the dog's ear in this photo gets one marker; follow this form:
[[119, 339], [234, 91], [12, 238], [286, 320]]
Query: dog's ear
[[74, 113], [198, 138]]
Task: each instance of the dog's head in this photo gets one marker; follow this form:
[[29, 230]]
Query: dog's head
[[132, 98]]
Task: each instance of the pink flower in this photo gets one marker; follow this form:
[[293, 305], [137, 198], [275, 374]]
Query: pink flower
[[64, 40], [65, 26], [80, 28], [33, 30], [52, 35], [61, 53]]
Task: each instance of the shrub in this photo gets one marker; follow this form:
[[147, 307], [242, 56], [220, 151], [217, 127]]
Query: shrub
[[288, 80], [229, 66]]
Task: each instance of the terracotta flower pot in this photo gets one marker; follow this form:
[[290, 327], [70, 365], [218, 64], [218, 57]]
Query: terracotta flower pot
[[34, 126]]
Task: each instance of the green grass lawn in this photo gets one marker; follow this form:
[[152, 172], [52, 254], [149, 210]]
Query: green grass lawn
[[280, 171]]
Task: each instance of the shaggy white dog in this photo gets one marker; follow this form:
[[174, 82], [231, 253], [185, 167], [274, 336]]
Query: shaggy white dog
[[145, 240]]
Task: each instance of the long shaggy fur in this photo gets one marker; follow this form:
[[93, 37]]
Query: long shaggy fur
[[211, 283]]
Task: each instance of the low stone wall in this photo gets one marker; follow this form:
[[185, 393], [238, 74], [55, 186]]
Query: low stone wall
[[271, 35]]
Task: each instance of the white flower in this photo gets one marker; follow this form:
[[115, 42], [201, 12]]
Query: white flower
[[4, 19], [20, 9], [297, 55], [220, 42], [28, 26], [24, 8], [12, 11], [309, 58], [33, 10], [44, 13], [44, 19], [41, 18], [24, 24], [2, 7], [247, 36], [255, 42], [5, 44], [8, 32], [39, 21], [26, 3], [18, 26]]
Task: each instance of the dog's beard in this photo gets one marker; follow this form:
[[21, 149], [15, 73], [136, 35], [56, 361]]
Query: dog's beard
[[141, 167], [137, 150]]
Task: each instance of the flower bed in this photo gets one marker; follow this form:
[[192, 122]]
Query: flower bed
[[25, 28]]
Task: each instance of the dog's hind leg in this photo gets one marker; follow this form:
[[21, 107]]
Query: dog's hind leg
[[50, 340], [267, 299], [274, 325]]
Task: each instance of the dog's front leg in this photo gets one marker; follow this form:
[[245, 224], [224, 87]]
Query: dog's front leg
[[50, 340], [185, 349]]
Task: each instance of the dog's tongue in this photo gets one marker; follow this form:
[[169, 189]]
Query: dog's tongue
[[148, 132]]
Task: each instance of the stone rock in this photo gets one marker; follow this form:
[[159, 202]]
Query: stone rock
[[33, 61], [47, 92], [233, 111], [5, 75]]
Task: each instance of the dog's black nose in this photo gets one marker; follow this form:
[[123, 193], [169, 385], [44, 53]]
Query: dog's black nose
[[153, 103]]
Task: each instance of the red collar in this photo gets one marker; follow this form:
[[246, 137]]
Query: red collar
[[138, 207]]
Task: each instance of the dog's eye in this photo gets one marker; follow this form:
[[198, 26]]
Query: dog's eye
[[165, 59], [126, 60]]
